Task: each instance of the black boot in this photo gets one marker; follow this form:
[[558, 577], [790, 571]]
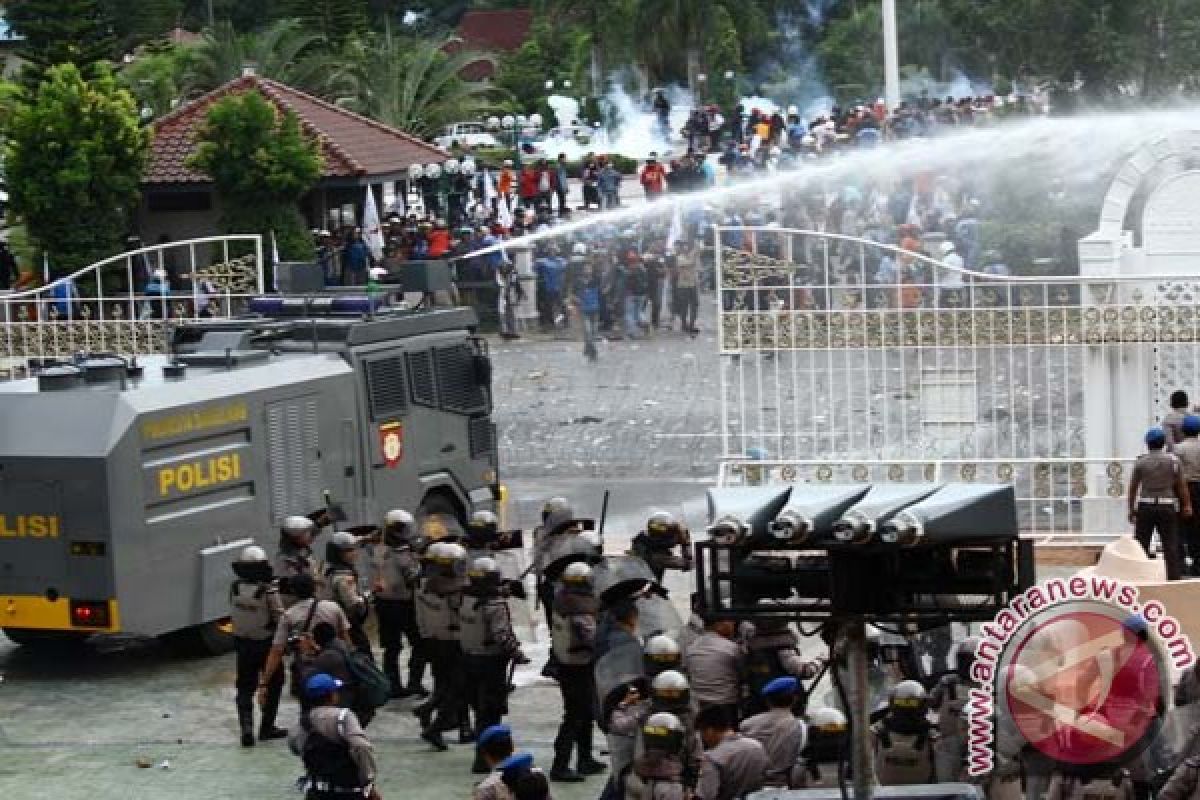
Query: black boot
[[434, 737], [266, 728], [424, 713], [480, 767], [246, 723], [560, 770], [416, 674], [584, 763], [465, 734]]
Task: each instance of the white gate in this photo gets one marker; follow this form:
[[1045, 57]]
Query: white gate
[[860, 362]]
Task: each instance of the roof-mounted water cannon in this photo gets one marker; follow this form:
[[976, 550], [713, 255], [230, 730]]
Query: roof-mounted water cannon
[[728, 530], [959, 513], [811, 513], [743, 515], [861, 524]]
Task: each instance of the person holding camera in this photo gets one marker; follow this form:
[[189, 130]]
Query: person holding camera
[[294, 635]]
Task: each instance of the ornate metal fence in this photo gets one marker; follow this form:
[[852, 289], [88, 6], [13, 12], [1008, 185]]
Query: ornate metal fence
[[843, 360], [107, 306]]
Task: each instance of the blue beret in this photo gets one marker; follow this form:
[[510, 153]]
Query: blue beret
[[1191, 424], [1156, 437], [321, 685], [784, 685], [494, 732], [517, 762]]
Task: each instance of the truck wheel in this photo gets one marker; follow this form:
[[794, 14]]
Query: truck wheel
[[27, 637], [210, 639], [438, 516]]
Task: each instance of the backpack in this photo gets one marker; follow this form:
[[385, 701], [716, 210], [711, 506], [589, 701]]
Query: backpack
[[329, 761], [372, 689]]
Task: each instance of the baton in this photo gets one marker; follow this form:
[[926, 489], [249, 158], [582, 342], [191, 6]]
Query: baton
[[603, 514]]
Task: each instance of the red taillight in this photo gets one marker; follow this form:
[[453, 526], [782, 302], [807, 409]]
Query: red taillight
[[89, 615]]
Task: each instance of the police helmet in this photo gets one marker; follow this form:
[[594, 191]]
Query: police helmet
[[577, 576], [663, 733], [399, 527], [448, 558], [661, 653], [964, 656], [907, 697], [343, 540], [296, 526], [557, 515], [671, 689], [252, 554], [662, 524], [554, 505], [593, 539], [483, 526], [1191, 425], [827, 720], [484, 573], [1156, 438]]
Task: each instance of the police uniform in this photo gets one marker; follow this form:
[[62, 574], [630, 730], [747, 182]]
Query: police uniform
[[782, 736], [343, 589], [255, 610], [396, 575], [1188, 453], [488, 645], [656, 776], [573, 637], [772, 654], [1156, 473], [735, 767], [902, 758], [659, 555], [714, 666], [291, 561], [492, 787], [297, 624], [341, 764], [438, 602], [1117, 787], [1172, 424], [949, 699]]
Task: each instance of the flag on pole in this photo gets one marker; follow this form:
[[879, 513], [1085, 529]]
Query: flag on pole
[[675, 232], [372, 230], [504, 214], [45, 268], [489, 188]]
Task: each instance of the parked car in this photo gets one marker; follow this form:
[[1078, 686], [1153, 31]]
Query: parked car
[[466, 135]]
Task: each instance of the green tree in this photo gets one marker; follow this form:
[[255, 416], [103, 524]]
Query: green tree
[[284, 51], [75, 152], [261, 164], [411, 84], [155, 79], [75, 32], [135, 22], [336, 21]]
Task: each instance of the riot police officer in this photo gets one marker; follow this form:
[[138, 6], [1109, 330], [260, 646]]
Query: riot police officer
[[397, 573], [557, 520], [670, 692], [826, 747], [573, 641], [488, 645], [656, 545], [779, 732], [342, 587], [255, 610], [295, 555], [733, 765], [660, 654], [438, 602], [1116, 786], [773, 652], [483, 531], [658, 772], [949, 699], [903, 739]]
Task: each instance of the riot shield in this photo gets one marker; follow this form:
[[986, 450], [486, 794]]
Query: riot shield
[[556, 552], [615, 671], [512, 567], [627, 576]]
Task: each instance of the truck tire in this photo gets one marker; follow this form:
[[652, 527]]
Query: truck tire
[[27, 637], [209, 639]]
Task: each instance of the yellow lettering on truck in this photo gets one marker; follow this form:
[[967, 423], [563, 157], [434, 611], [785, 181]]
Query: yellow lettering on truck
[[200, 474], [29, 526]]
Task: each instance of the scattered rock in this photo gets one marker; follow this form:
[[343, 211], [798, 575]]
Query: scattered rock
[[144, 763]]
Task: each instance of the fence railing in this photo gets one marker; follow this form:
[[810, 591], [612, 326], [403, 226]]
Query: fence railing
[[857, 361], [125, 303]]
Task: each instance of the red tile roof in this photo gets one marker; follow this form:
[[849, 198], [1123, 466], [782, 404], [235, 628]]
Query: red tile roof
[[491, 32], [352, 146]]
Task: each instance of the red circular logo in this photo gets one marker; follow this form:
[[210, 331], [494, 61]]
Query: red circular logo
[[1082, 685]]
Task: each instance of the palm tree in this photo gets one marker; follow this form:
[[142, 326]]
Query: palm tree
[[668, 28], [411, 84], [284, 51]]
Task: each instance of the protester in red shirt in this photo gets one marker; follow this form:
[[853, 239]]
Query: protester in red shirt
[[529, 186], [654, 177], [439, 240]]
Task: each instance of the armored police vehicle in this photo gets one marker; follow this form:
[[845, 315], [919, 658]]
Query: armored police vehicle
[[127, 489]]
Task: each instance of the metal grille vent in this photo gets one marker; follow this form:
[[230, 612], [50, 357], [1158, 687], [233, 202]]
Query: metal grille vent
[[481, 434], [458, 387], [385, 387], [421, 378]]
